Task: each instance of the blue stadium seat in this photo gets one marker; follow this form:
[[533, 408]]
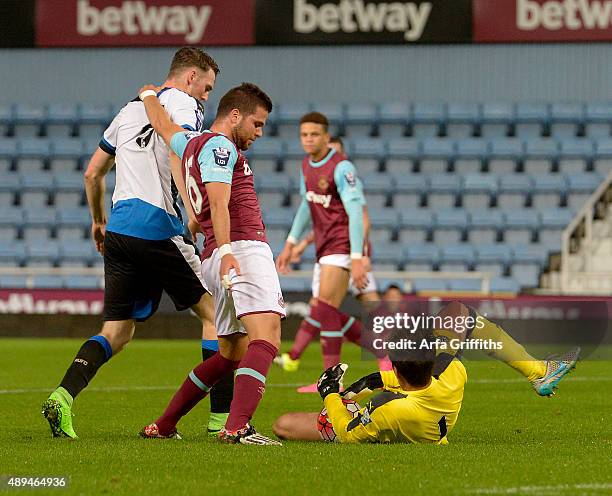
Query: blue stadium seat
[[12, 253], [268, 148], [598, 118], [576, 155], [393, 119], [36, 189], [76, 252], [465, 285], [514, 191], [402, 155], [505, 154], [456, 258], [278, 217], [9, 233], [48, 282], [409, 190], [504, 285], [540, 155], [378, 189], [368, 155], [471, 155], [428, 119], [28, 119], [295, 284], [93, 119], [360, 120], [478, 190], [531, 119], [603, 157], [309, 256], [6, 119], [415, 226], [272, 189], [421, 257], [11, 216], [497, 119], [449, 226], [485, 225], [548, 190], [429, 285], [566, 119], [387, 258], [32, 154], [383, 223], [294, 152], [463, 120], [82, 282], [492, 258], [436, 155], [8, 152], [42, 254], [520, 225], [528, 254], [13, 282], [65, 154], [580, 187], [61, 119], [526, 274], [443, 191], [276, 236], [78, 217]]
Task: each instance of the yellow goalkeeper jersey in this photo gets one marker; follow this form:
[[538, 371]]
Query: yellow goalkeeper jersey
[[398, 416]]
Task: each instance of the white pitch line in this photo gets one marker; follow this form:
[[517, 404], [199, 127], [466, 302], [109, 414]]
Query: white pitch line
[[112, 389], [542, 489]]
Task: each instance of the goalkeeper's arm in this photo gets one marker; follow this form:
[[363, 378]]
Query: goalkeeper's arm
[[347, 428], [369, 383]]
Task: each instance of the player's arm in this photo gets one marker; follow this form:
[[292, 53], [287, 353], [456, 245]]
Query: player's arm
[[347, 428], [301, 222], [99, 164], [177, 176], [300, 248], [351, 194], [217, 160], [158, 117], [363, 387]]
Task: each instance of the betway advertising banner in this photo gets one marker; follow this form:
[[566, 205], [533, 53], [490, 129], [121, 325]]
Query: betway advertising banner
[[297, 22], [542, 20], [82, 23]]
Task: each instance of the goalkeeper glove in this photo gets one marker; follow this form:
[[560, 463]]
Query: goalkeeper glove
[[331, 380], [365, 385]]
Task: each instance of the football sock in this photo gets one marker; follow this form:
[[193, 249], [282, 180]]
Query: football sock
[[196, 386], [222, 392], [94, 353], [511, 352], [250, 382], [331, 334], [305, 334]]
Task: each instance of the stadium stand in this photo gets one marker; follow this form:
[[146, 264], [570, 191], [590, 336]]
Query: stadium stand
[[451, 186]]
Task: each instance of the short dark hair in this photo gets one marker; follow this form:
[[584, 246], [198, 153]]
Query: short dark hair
[[414, 365], [187, 57], [246, 98], [315, 118], [337, 139]]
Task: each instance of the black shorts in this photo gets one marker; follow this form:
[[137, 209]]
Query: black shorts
[[136, 271]]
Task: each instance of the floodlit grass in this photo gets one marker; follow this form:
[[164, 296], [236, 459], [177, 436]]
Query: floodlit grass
[[507, 440]]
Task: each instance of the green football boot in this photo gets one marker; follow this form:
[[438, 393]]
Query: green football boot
[[58, 412]]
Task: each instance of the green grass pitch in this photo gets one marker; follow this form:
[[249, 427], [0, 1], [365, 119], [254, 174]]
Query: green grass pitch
[[507, 440]]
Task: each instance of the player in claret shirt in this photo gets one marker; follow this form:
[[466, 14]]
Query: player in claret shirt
[[237, 263], [333, 203]]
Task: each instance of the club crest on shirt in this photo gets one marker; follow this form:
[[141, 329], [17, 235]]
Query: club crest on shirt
[[221, 156], [350, 179], [323, 183]]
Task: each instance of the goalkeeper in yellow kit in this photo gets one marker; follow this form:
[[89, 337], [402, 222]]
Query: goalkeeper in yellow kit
[[420, 399]]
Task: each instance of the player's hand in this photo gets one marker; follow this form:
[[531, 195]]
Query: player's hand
[[358, 273], [228, 262], [367, 264], [98, 232], [149, 87], [284, 258], [366, 385], [331, 380], [194, 228], [297, 251]]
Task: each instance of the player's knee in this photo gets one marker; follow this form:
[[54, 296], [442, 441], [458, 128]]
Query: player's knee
[[282, 427], [118, 334]]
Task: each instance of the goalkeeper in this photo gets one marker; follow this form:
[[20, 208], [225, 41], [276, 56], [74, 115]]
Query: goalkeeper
[[419, 401]]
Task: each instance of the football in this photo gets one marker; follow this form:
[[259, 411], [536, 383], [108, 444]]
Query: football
[[324, 425]]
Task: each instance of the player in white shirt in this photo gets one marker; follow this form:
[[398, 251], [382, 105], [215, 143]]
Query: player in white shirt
[[142, 244]]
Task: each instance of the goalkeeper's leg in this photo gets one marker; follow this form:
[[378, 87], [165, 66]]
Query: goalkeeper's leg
[[297, 426]]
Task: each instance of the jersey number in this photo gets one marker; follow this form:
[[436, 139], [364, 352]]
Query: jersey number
[[442, 427], [192, 188]]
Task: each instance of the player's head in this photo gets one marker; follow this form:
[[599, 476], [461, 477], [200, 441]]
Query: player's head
[[314, 134], [337, 144], [244, 109], [413, 355], [193, 71], [393, 293]]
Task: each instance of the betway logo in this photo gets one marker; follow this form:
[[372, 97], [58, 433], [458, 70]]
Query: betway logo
[[313, 197], [350, 16], [568, 14], [24, 303], [136, 18]]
